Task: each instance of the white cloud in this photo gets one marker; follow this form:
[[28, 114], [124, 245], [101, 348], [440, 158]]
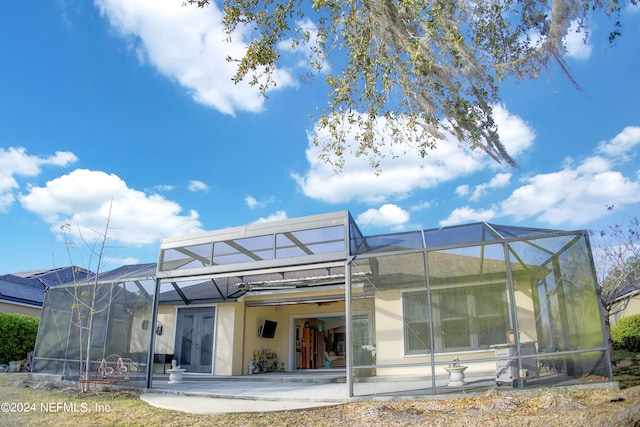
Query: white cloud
[[83, 198], [463, 190], [117, 262], [276, 216], [15, 161], [196, 185], [305, 51], [466, 214], [387, 215], [591, 165], [572, 196], [188, 45], [420, 206], [6, 200], [575, 43], [407, 173], [575, 195], [620, 146], [251, 201], [164, 187], [501, 180], [254, 203], [578, 193], [515, 133]]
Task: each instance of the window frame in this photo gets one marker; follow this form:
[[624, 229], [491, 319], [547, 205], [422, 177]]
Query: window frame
[[473, 318]]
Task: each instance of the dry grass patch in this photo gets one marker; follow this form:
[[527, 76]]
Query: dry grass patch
[[535, 407]]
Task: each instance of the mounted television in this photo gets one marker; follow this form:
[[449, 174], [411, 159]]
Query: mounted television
[[268, 329]]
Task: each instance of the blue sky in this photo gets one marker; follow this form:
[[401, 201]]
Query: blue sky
[[128, 103]]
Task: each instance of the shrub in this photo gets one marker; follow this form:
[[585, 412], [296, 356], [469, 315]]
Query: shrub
[[626, 334], [18, 332]]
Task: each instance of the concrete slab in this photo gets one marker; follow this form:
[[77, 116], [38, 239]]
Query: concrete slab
[[213, 405], [246, 394], [289, 393]]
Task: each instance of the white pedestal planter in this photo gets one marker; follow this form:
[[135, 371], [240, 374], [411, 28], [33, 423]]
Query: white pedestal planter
[[456, 375], [175, 375]]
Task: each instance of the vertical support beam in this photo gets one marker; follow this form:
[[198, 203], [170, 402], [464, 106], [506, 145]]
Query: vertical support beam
[[432, 341], [513, 311], [606, 332], [244, 339], [562, 304], [108, 331], [66, 364], [349, 324], [152, 334]]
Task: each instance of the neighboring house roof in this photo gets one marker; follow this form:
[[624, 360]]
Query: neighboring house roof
[[28, 287], [15, 291], [53, 276], [629, 290]]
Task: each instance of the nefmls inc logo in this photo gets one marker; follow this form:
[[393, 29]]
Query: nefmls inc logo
[[64, 407]]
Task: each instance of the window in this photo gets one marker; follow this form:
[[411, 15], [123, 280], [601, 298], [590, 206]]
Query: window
[[492, 314], [452, 305], [416, 322], [464, 318]]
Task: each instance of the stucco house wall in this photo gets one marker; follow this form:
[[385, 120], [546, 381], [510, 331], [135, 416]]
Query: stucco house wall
[[633, 307], [17, 308]]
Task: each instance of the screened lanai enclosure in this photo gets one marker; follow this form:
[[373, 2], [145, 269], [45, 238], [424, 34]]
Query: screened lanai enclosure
[[474, 306], [121, 301], [425, 312]]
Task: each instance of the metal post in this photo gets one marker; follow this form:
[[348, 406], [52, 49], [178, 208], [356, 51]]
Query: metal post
[[432, 342], [152, 334], [348, 321]]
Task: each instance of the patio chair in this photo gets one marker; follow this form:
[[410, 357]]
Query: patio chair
[[334, 359]]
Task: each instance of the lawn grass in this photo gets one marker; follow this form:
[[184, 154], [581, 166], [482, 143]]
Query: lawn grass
[[627, 371], [37, 403]]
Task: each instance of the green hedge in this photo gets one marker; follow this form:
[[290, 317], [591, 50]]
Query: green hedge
[[626, 334], [18, 333]]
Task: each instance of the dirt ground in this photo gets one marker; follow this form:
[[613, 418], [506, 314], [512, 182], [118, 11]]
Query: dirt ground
[[544, 407], [533, 407]]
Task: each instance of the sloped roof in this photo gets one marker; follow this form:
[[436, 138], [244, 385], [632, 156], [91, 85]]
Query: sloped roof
[[457, 235], [12, 290], [629, 290], [28, 287], [52, 276]]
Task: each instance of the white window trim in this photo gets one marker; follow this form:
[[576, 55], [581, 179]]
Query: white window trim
[[439, 346]]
